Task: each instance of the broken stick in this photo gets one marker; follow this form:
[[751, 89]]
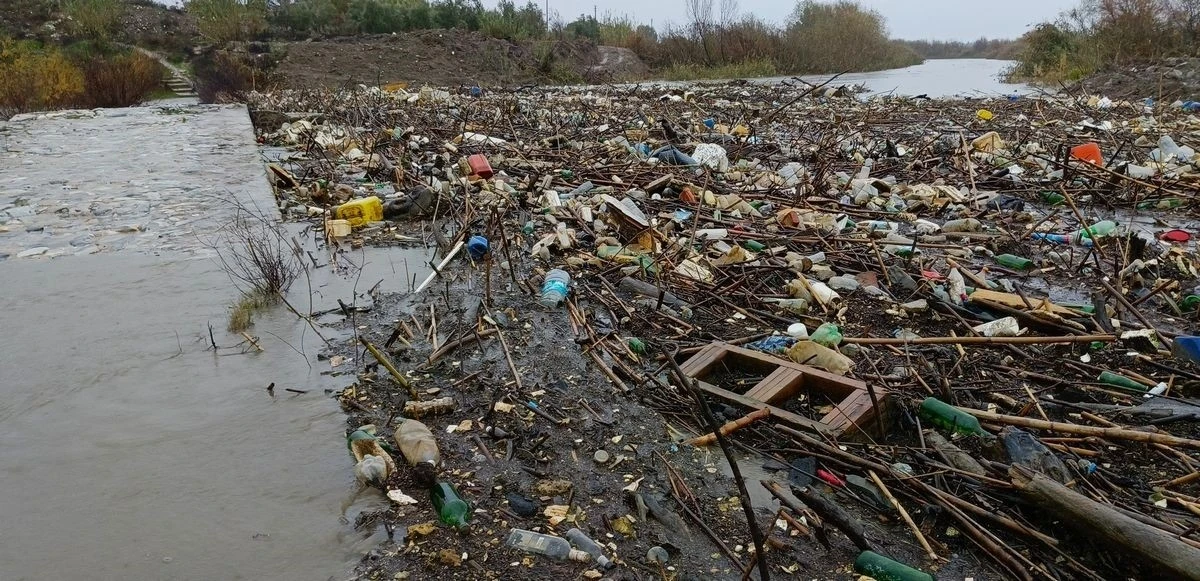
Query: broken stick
[[731, 427], [387, 364]]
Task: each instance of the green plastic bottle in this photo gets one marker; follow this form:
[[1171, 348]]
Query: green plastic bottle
[[1163, 204], [948, 417], [452, 508], [1053, 198], [1101, 229], [884, 569], [1014, 262], [827, 335], [1121, 381], [1191, 302]]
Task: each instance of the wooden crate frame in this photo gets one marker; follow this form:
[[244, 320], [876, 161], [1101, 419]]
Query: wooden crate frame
[[853, 412]]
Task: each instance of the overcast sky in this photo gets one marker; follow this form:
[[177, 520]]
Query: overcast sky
[[909, 19]]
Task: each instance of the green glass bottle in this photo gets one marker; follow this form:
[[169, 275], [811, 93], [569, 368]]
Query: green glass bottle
[[1014, 262], [1121, 381], [452, 508], [1191, 302], [754, 246], [948, 417], [884, 569]]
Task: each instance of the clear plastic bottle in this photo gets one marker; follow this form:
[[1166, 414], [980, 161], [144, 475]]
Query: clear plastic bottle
[[550, 546], [416, 443], [555, 288]]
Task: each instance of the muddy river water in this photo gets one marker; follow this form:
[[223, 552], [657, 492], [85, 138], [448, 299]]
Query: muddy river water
[[132, 450]]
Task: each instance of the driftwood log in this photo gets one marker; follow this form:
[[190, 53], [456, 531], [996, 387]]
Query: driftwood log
[[1167, 553]]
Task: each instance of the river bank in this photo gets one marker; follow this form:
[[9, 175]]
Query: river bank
[[890, 203]]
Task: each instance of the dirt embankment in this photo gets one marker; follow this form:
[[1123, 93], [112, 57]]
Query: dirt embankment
[[449, 57], [1169, 79]]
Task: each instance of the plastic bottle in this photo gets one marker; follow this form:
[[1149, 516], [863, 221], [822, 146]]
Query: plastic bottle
[[477, 247], [555, 288], [948, 417], [828, 335], [1163, 204], [884, 569], [1101, 229], [797, 306], [815, 355], [963, 225], [587, 545], [1053, 198], [416, 444], [1014, 262], [550, 546], [451, 507]]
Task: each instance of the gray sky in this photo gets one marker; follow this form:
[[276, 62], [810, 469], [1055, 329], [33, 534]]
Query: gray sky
[[909, 19]]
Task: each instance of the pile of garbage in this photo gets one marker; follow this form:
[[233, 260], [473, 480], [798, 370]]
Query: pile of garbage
[[956, 335]]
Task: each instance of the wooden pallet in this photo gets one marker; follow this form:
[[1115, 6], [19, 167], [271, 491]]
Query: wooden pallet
[[784, 380]]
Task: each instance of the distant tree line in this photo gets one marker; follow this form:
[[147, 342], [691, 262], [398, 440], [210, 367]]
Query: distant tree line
[[983, 48]]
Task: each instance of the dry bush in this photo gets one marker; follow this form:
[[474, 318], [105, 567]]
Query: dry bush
[[120, 80], [225, 76]]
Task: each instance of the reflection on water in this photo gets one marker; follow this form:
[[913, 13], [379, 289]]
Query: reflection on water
[[934, 78], [133, 451]]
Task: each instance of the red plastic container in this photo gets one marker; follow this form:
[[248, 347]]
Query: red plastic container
[[1089, 152], [480, 166]]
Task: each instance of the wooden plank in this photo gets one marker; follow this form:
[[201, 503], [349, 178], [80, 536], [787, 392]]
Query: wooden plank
[[779, 414], [778, 386]]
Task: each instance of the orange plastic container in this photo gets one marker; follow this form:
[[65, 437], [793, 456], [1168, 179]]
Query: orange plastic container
[[480, 166], [1089, 152]]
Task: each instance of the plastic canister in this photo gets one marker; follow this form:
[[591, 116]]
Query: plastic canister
[[555, 288], [477, 247], [337, 228], [479, 166], [361, 211]]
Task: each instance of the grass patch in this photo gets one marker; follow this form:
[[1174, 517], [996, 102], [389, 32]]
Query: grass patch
[[743, 70], [241, 313]]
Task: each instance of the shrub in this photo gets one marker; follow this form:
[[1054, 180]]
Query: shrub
[[225, 76], [36, 78], [222, 21], [94, 19], [121, 80]]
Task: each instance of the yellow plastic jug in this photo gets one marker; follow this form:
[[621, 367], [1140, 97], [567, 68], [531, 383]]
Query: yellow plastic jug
[[361, 211]]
